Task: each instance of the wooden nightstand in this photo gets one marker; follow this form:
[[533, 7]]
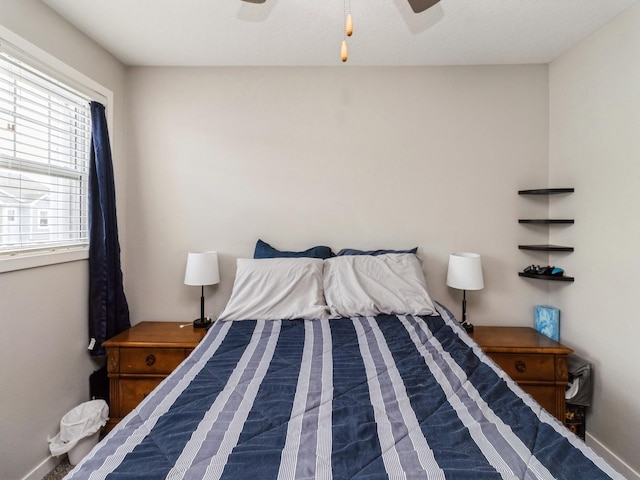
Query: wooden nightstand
[[535, 362], [138, 359]]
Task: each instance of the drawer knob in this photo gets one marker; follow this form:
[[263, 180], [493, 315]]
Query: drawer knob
[[521, 366], [151, 359]]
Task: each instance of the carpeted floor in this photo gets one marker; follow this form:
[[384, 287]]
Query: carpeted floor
[[60, 471]]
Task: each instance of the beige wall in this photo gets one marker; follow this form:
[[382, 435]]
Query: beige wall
[[45, 366], [349, 157], [595, 146]]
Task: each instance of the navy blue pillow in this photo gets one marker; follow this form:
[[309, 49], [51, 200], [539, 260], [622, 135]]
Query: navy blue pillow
[[351, 251], [264, 250]]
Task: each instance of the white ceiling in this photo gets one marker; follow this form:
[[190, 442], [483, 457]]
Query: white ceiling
[[309, 32]]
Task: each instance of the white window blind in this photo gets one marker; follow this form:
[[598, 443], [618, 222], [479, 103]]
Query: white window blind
[[45, 137]]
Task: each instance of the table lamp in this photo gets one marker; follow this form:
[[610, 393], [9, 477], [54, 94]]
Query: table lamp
[[465, 273], [202, 269]]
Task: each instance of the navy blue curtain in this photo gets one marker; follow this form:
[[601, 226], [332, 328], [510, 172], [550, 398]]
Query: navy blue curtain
[[108, 309]]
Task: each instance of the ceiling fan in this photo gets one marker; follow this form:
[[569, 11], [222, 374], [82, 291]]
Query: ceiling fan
[[416, 5]]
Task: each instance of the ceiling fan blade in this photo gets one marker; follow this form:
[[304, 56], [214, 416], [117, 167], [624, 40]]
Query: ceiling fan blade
[[419, 6]]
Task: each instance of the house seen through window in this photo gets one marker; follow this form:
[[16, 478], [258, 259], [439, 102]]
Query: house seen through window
[[45, 137]]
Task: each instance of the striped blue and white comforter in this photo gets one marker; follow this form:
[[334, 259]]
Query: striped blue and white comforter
[[365, 398]]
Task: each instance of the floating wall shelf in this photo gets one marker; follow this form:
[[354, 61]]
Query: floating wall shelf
[[546, 248], [555, 278], [546, 191], [546, 221]]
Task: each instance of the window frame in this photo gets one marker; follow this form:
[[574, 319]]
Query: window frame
[[45, 153], [25, 51]]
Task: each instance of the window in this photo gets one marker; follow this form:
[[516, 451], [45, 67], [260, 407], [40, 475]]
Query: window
[[45, 140], [43, 221]]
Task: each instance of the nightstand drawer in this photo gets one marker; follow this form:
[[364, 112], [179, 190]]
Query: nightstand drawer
[[526, 367], [150, 360], [545, 395], [134, 390]]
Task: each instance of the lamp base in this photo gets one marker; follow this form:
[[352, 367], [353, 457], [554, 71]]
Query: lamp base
[[202, 323], [467, 326]]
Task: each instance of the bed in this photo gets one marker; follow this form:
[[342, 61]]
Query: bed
[[321, 394]]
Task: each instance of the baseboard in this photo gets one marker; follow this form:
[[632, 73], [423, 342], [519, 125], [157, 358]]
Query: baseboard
[[615, 461], [41, 470]]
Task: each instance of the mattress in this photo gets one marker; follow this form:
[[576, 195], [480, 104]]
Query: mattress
[[390, 396]]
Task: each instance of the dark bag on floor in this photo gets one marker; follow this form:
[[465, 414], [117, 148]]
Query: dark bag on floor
[[99, 385]]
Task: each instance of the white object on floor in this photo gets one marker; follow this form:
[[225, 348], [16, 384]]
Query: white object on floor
[[85, 420]]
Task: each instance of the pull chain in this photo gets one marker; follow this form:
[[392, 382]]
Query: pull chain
[[348, 30]]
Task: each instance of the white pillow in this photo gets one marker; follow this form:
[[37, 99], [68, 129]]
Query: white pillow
[[366, 285], [277, 288]]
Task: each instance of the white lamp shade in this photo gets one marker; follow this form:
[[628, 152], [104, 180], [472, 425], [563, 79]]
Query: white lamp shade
[[202, 269], [465, 271]]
